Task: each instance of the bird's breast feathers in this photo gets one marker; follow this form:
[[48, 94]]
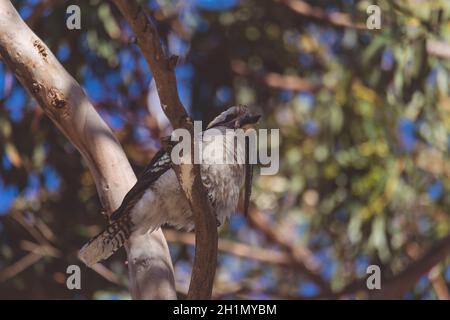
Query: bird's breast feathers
[[163, 202]]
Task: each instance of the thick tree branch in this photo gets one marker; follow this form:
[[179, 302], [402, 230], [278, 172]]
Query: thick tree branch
[[162, 67], [64, 101]]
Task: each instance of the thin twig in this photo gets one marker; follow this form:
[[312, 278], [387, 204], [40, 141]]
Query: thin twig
[[275, 80], [42, 249], [19, 266], [336, 18], [238, 249], [107, 274]]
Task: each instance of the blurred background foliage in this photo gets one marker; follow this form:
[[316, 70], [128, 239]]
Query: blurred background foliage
[[364, 119]]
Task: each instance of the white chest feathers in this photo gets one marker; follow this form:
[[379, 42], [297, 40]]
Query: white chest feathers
[[164, 202]]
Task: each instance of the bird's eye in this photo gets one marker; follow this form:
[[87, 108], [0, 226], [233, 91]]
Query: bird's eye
[[228, 118]]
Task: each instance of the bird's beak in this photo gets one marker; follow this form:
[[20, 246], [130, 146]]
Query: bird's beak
[[253, 119], [249, 121]]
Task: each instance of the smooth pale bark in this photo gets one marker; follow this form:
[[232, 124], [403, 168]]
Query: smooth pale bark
[[65, 102], [162, 67]]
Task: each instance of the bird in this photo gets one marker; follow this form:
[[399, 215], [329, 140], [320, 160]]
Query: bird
[[157, 199]]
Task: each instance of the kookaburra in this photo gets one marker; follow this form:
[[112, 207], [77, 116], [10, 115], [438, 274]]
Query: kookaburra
[[157, 198]]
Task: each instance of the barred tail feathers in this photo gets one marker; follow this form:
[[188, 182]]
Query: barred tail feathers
[[105, 244]]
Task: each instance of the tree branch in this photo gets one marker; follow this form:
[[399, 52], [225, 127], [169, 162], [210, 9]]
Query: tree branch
[[439, 49], [398, 286], [39, 10], [162, 67], [303, 260], [336, 18], [434, 275], [237, 249], [275, 80], [64, 101], [19, 266]]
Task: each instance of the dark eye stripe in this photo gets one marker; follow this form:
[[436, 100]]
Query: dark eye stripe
[[230, 117]]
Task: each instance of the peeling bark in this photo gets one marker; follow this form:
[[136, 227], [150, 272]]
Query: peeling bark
[[66, 104]]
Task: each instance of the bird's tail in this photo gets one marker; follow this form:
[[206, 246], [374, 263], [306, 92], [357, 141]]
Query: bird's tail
[[103, 245]]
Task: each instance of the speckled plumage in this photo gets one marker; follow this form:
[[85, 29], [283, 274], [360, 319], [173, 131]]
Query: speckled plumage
[[157, 198], [164, 202]]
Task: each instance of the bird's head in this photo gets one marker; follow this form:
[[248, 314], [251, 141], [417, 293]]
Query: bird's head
[[236, 117]]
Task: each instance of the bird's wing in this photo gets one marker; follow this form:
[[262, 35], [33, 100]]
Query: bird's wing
[[160, 163]]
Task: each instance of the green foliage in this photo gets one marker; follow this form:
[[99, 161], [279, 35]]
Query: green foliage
[[364, 168]]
